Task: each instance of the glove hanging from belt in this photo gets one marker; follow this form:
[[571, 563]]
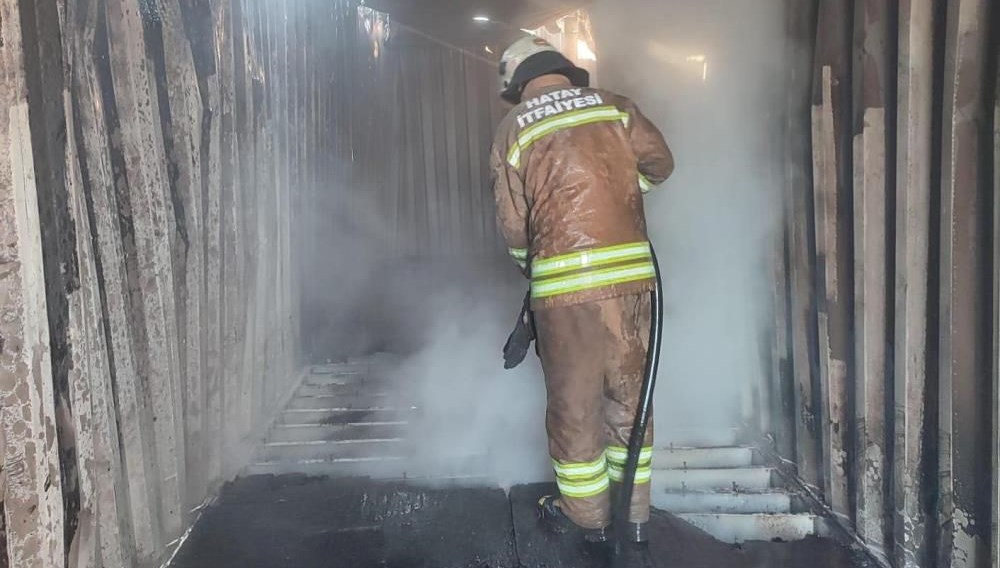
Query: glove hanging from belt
[[516, 348]]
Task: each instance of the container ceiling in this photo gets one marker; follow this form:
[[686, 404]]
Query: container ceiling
[[451, 21]]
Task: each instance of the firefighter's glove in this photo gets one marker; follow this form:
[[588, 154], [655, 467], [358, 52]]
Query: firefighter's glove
[[516, 348]]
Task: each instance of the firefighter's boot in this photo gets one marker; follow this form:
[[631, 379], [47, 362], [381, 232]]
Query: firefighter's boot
[[637, 533], [555, 521], [632, 556]]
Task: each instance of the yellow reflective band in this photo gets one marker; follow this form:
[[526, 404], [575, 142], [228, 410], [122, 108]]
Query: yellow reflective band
[[580, 469], [590, 258], [644, 184], [643, 463], [568, 120], [642, 475], [520, 256], [583, 490], [590, 280], [619, 454]]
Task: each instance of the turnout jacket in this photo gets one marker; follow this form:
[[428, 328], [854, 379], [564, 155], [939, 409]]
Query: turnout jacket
[[570, 166]]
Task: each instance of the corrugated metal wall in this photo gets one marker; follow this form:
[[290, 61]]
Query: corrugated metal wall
[[888, 285], [174, 176], [405, 194], [153, 156]]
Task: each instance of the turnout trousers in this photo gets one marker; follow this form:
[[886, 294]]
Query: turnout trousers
[[594, 357]]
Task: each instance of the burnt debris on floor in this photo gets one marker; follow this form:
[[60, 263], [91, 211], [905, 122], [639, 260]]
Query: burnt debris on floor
[[303, 522]]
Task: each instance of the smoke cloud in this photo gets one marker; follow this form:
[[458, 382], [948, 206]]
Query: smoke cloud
[[475, 417], [435, 324], [710, 74]]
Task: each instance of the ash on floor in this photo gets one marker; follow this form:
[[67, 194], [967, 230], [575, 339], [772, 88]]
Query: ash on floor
[[295, 521]]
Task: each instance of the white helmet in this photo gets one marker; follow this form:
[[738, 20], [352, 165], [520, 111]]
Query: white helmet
[[529, 58]]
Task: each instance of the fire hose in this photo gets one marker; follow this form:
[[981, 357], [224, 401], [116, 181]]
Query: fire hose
[[623, 504]]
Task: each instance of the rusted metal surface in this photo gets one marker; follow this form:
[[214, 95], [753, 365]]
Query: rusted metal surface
[[872, 155], [965, 328]]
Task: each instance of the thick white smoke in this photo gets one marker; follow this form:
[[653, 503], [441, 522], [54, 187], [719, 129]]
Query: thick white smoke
[[710, 74], [475, 417]]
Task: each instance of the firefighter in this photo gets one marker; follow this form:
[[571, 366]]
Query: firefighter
[[571, 164]]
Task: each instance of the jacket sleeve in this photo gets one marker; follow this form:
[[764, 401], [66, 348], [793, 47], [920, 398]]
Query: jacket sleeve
[[656, 161], [512, 207]]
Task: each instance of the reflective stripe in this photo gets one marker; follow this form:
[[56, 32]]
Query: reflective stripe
[[594, 257], [520, 256], [642, 475], [619, 454], [620, 275], [577, 469], [644, 184], [584, 479], [583, 490], [568, 120]]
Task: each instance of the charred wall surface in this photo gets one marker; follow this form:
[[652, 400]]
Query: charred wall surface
[[153, 157], [888, 278]]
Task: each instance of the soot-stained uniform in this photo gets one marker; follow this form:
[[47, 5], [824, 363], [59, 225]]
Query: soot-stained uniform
[[570, 168]]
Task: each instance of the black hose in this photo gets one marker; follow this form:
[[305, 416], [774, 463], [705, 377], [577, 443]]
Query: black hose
[[624, 502]]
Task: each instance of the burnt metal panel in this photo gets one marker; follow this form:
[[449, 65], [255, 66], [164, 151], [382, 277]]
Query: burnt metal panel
[[32, 480], [144, 139], [872, 155], [801, 24], [869, 448], [780, 388], [832, 158], [913, 209], [964, 456], [152, 285], [995, 396]]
